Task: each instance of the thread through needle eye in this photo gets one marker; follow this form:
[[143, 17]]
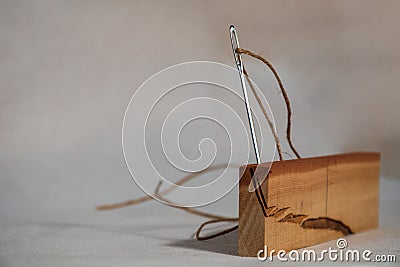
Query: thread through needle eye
[[239, 65]]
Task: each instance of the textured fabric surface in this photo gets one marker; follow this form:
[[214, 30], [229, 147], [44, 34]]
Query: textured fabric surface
[[152, 234]]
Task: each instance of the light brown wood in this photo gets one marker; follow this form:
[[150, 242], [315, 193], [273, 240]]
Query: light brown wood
[[310, 201]]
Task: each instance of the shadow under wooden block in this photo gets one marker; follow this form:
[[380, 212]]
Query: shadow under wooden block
[[310, 201]]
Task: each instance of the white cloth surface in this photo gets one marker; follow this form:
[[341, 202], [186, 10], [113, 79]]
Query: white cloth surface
[[152, 234]]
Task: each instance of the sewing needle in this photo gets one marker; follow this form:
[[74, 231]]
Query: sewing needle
[[239, 65]]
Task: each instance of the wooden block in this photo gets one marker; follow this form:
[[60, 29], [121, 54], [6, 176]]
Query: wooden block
[[310, 201]]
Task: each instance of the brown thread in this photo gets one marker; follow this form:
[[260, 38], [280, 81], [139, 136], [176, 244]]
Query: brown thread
[[215, 218], [262, 201], [190, 210], [270, 123], [160, 194], [201, 238], [136, 201], [284, 93], [308, 223], [259, 199], [326, 223]]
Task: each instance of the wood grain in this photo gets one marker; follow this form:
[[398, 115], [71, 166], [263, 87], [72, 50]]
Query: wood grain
[[310, 201]]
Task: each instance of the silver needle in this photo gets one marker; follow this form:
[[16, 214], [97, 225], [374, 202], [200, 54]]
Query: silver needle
[[239, 65]]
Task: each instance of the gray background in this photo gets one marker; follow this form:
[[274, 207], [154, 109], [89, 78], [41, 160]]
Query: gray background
[[69, 68]]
